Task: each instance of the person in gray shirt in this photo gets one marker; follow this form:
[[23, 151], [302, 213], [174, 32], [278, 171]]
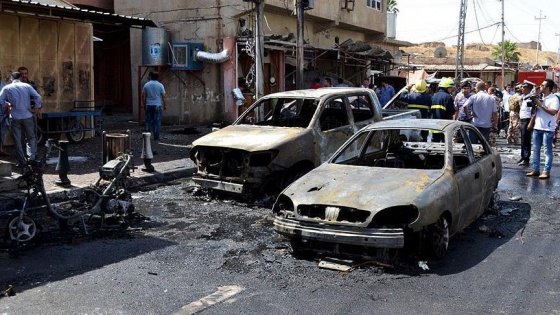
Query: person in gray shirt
[[483, 109], [16, 99]]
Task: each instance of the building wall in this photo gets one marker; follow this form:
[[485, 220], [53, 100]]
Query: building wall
[[57, 53], [204, 96]]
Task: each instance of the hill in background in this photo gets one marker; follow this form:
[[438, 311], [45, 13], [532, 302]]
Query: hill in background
[[528, 52]]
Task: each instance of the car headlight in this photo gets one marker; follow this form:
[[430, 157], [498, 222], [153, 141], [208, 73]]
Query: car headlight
[[283, 206], [398, 216]]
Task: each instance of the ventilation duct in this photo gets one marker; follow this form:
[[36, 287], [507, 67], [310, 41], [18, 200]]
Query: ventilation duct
[[212, 57]]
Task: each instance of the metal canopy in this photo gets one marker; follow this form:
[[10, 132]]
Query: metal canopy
[[60, 9]]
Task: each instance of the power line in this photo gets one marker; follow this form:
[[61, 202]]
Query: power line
[[477, 25]]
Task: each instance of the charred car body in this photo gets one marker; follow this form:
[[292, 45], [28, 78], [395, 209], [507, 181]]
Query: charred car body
[[392, 186], [283, 136]]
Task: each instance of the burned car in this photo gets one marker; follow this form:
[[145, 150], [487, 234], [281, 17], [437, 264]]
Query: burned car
[[395, 184], [283, 136]]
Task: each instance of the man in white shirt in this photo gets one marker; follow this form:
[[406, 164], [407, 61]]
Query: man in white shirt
[[543, 131]]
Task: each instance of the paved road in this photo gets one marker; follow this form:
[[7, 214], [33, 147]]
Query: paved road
[[192, 254]]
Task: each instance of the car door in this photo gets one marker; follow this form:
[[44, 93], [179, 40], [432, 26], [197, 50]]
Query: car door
[[482, 155], [469, 179], [332, 128]]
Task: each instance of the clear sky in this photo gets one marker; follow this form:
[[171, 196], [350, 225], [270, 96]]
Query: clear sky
[[438, 20]]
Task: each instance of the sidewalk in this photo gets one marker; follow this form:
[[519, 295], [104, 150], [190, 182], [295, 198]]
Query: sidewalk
[[171, 158]]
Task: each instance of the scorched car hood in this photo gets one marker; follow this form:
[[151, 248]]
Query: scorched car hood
[[249, 138], [376, 189]]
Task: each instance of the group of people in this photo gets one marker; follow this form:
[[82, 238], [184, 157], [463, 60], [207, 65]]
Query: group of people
[[384, 93], [20, 105], [531, 114], [534, 119]]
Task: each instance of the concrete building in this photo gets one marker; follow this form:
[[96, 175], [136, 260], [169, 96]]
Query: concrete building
[[342, 39], [55, 41]]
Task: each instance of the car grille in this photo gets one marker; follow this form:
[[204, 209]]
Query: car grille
[[333, 213], [222, 161]]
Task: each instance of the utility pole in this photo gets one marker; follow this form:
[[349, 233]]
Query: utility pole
[[503, 47], [259, 50], [460, 62], [558, 54], [539, 37], [299, 45]]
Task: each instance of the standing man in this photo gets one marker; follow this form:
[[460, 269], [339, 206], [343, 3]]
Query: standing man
[[443, 106], [316, 84], [514, 125], [386, 92], [153, 101], [460, 100], [543, 131], [525, 117], [504, 123], [484, 110], [365, 83], [327, 82], [417, 98], [340, 83], [16, 97]]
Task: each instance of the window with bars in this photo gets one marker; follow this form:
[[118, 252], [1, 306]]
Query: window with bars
[[375, 4]]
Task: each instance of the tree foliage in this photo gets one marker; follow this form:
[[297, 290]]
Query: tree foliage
[[510, 51], [392, 6]]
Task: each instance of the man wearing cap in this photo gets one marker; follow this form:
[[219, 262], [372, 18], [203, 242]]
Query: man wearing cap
[[543, 130], [460, 100], [417, 98], [525, 117], [16, 97]]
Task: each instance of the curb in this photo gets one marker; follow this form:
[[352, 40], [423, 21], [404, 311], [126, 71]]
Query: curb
[[143, 180]]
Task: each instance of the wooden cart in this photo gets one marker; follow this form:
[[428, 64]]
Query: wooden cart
[[85, 116]]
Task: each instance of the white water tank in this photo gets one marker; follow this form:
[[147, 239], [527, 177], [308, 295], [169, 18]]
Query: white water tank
[[391, 25]]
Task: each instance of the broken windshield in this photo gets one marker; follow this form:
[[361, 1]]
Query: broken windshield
[[281, 112], [395, 148]]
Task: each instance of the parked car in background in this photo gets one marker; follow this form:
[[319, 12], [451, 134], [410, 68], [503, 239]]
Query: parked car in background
[[392, 186], [283, 136]]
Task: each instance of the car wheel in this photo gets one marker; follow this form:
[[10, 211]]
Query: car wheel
[[437, 240]]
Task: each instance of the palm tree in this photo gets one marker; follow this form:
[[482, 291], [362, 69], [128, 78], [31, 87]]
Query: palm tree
[[392, 6], [510, 51]]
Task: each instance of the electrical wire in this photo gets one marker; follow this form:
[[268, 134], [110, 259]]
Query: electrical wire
[[477, 25]]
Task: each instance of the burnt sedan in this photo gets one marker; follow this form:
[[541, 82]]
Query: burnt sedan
[[394, 184]]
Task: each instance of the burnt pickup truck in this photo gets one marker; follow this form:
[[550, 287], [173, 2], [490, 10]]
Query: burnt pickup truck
[[283, 136]]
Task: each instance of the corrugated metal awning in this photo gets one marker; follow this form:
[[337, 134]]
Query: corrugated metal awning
[[481, 67], [64, 10]]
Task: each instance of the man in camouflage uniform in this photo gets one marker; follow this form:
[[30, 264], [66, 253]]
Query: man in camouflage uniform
[[514, 130]]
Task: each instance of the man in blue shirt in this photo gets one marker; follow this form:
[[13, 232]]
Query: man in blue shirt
[[153, 101], [16, 98], [386, 92]]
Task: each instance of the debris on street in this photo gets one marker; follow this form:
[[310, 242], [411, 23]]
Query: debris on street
[[516, 198], [423, 265]]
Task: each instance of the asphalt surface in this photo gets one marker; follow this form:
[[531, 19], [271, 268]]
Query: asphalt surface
[[188, 253]]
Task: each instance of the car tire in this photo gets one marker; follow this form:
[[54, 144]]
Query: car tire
[[437, 239]]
